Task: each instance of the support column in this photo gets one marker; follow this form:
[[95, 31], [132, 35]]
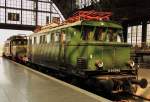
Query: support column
[[21, 11], [125, 29], [51, 4], [144, 33], [5, 12], [36, 12]]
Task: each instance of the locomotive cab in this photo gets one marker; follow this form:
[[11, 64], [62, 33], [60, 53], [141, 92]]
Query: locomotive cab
[[105, 47], [19, 49], [100, 44], [98, 50], [15, 47]]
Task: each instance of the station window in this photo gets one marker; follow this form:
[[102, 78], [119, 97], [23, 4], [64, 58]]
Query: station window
[[139, 35], [135, 35], [2, 2], [148, 35], [28, 12], [129, 37]]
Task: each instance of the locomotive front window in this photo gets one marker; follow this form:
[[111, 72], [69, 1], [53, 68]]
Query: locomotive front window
[[100, 34], [6, 44], [114, 35], [108, 35], [19, 42], [87, 33]]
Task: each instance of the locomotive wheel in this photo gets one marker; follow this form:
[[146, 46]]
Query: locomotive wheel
[[75, 81]]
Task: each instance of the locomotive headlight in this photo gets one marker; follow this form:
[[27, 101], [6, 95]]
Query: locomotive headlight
[[99, 64], [91, 56], [131, 63]]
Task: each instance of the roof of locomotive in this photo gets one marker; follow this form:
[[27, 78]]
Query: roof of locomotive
[[109, 24], [17, 37]]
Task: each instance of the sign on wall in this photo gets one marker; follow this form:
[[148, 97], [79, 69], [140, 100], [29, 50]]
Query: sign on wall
[[13, 16]]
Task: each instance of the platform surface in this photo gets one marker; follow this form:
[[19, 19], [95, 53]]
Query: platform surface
[[144, 73], [18, 84]]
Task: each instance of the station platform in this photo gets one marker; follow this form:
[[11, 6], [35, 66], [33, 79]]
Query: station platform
[[19, 83]]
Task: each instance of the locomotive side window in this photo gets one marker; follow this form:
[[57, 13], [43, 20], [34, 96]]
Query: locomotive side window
[[74, 31], [44, 39], [52, 38], [68, 35], [30, 41], [63, 36], [40, 39], [18, 43], [13, 43], [24, 42], [57, 34], [48, 38], [35, 40]]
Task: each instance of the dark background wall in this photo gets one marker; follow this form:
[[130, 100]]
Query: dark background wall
[[124, 10]]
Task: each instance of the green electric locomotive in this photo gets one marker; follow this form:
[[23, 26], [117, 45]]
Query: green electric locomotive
[[93, 50]]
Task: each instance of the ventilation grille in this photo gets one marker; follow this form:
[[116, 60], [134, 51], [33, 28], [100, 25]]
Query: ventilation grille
[[81, 63]]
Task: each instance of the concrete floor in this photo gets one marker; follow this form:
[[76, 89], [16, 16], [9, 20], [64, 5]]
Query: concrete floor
[[18, 84], [144, 73]]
